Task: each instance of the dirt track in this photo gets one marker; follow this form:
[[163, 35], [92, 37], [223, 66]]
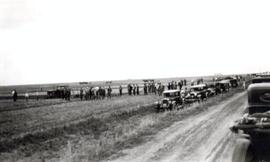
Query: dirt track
[[203, 137]]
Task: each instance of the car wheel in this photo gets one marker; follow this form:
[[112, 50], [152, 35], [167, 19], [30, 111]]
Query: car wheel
[[243, 151]]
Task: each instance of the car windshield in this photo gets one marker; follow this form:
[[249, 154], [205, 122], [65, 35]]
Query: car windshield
[[172, 94], [197, 89]]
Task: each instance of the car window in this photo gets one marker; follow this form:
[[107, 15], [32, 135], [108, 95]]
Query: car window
[[173, 94], [167, 94]]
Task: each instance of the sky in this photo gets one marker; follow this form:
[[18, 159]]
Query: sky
[[51, 41]]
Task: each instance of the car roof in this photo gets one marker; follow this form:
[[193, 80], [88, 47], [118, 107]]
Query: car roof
[[229, 77], [224, 81], [171, 91], [198, 86], [259, 86]]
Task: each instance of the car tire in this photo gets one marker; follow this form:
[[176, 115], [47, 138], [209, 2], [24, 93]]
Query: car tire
[[243, 151]]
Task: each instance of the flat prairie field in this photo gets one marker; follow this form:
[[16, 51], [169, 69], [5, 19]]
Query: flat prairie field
[[36, 116]]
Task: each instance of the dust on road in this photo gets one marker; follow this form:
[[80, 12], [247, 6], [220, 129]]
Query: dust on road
[[203, 137]]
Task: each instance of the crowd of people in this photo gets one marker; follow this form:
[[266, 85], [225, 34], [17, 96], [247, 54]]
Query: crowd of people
[[92, 93], [132, 90]]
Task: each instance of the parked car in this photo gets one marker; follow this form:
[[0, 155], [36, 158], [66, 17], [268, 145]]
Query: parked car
[[233, 81], [253, 129], [58, 92], [223, 85], [196, 93], [171, 99]]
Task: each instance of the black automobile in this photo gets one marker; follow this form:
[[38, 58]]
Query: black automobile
[[197, 93], [58, 92], [233, 81], [171, 99], [253, 129], [223, 85]]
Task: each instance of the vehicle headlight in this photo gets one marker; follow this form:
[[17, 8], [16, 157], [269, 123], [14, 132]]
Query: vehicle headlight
[[248, 120]]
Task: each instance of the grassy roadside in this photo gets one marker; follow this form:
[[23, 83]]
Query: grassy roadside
[[100, 137], [19, 123]]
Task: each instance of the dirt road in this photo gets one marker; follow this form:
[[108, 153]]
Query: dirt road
[[203, 137]]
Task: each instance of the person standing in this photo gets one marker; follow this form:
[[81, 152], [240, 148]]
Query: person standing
[[81, 94], [109, 92], [192, 82], [159, 89], [90, 93], [134, 89], [68, 94], [26, 95], [169, 86], [14, 95], [154, 89], [145, 89], [179, 85], [244, 84], [129, 89], [138, 89], [120, 90]]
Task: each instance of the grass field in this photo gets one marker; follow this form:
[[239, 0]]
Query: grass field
[[22, 128]]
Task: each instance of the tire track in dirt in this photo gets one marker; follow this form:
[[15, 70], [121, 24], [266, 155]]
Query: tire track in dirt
[[202, 137]]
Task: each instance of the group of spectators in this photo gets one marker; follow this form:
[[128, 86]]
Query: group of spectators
[[176, 85], [133, 89], [102, 92]]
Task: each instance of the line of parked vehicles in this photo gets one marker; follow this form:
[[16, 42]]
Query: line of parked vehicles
[[176, 99]]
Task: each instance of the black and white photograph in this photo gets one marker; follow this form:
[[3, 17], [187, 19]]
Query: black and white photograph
[[134, 81]]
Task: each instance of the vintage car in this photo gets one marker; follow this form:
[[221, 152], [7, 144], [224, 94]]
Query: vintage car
[[58, 92], [196, 93], [171, 99], [253, 129], [223, 85], [233, 81]]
